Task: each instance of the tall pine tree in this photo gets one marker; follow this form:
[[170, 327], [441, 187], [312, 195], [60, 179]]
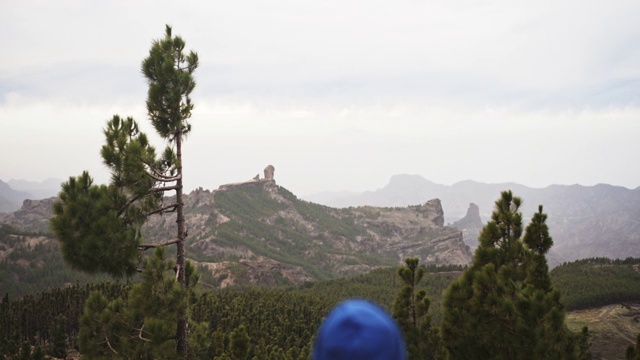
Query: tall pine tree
[[504, 306], [410, 310], [98, 226], [633, 352]]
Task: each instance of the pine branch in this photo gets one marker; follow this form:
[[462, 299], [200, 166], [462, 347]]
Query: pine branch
[[162, 178], [109, 344], [162, 189], [165, 209], [140, 334], [144, 247], [129, 203], [177, 271]]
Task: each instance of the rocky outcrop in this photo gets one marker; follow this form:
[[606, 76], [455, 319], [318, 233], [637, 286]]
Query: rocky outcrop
[[413, 231], [584, 221], [471, 220], [334, 242], [471, 225], [33, 216], [259, 270], [269, 173]]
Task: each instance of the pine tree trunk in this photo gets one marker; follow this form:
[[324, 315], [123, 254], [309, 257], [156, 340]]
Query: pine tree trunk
[[181, 332]]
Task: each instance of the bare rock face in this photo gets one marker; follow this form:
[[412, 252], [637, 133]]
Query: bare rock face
[[33, 216], [415, 231], [471, 220], [434, 210], [471, 225], [257, 270], [268, 172]]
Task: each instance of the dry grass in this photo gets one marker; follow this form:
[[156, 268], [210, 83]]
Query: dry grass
[[612, 328]]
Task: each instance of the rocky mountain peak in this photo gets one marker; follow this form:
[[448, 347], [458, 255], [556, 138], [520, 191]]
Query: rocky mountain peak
[[33, 215], [470, 225], [471, 220], [432, 209]]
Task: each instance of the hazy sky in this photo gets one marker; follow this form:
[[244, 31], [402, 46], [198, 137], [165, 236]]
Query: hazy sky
[[337, 95]]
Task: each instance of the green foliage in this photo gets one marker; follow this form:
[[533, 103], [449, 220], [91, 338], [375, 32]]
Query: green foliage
[[94, 237], [99, 226], [584, 346], [59, 337], [410, 311], [633, 352], [33, 317], [239, 343], [280, 321], [256, 222], [32, 263], [141, 325], [169, 74], [503, 306], [597, 281]]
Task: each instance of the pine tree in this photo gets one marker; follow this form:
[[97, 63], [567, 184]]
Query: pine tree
[[59, 337], [98, 226], [38, 354], [410, 311], [142, 325], [25, 351], [584, 346], [633, 352], [503, 306], [239, 343]]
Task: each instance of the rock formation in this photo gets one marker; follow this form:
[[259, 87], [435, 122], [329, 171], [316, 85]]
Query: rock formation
[[268, 173], [258, 233], [470, 225], [33, 216]]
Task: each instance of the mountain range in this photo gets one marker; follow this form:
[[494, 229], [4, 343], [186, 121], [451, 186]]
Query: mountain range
[[257, 232], [14, 192], [585, 221]]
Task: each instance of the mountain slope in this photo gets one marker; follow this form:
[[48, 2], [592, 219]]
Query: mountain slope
[[585, 221], [260, 233]]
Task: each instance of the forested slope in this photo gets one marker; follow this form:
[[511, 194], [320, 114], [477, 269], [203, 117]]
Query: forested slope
[[282, 320], [598, 281], [31, 262], [278, 320]]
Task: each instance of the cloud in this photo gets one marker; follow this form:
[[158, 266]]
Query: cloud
[[337, 95]]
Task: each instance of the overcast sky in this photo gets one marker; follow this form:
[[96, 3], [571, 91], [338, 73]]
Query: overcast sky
[[337, 95]]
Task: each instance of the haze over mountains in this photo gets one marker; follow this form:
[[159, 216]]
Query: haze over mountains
[[585, 221], [257, 232], [14, 192]]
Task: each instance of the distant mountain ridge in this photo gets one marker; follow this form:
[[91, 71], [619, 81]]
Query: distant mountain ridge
[[14, 192], [10, 199], [257, 232], [38, 189], [585, 221]]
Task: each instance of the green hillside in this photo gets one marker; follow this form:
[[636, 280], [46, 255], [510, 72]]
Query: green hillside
[[255, 233], [260, 233], [31, 263], [596, 282]]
